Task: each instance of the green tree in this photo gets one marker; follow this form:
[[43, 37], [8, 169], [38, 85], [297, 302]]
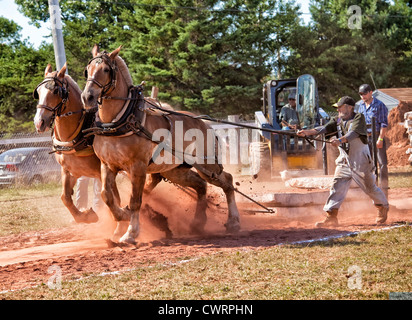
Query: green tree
[[85, 23], [342, 58], [208, 56], [21, 68]]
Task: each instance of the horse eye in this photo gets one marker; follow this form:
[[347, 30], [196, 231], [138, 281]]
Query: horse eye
[[106, 70]]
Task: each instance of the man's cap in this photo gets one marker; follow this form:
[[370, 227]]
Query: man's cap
[[345, 100], [365, 88], [292, 95]]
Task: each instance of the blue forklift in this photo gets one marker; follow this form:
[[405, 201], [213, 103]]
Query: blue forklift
[[276, 152]]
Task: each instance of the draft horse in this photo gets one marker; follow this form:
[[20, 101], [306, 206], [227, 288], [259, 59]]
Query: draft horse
[[60, 104], [124, 140]]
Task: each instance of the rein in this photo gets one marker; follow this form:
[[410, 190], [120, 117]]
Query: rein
[[208, 118]]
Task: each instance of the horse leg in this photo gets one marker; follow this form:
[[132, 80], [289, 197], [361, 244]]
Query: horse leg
[[188, 178], [137, 178], [224, 180], [110, 194], [116, 194], [68, 182], [155, 179]]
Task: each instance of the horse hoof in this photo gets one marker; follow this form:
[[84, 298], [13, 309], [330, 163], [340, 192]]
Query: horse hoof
[[197, 229], [116, 244], [127, 239], [88, 216], [232, 228]]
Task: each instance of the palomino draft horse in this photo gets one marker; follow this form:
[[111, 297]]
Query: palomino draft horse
[[60, 102], [124, 141]]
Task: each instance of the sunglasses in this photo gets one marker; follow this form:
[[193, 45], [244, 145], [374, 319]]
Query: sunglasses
[[363, 94]]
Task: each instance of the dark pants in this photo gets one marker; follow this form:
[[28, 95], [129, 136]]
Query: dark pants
[[383, 172]]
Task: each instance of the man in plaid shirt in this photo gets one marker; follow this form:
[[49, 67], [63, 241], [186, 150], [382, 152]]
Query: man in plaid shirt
[[372, 107]]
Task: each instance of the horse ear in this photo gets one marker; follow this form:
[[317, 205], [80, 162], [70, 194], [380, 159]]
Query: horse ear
[[62, 71], [114, 53], [95, 50], [48, 70]]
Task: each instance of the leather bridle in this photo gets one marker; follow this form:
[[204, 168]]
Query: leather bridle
[[62, 89], [108, 87]]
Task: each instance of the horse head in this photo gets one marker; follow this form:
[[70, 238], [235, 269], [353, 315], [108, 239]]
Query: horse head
[[52, 94], [100, 73]]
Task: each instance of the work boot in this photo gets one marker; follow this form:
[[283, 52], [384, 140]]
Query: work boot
[[330, 221], [382, 214]]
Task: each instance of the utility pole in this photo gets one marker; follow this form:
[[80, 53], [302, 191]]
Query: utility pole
[[57, 33]]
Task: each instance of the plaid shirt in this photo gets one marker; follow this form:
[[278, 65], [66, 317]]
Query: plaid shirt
[[288, 114], [376, 109]]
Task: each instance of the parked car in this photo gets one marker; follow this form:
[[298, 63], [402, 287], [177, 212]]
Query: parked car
[[28, 166]]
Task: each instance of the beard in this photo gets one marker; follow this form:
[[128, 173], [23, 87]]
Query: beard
[[346, 115]]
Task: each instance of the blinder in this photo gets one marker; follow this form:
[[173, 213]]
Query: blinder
[[35, 94], [57, 87], [54, 85]]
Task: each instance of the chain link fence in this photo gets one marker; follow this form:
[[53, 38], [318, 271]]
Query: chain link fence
[[26, 159]]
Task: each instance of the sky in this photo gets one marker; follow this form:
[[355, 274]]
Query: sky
[[35, 36]]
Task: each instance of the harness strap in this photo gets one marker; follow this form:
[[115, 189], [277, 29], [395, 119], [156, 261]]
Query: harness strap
[[343, 129], [208, 173], [78, 141], [131, 114]]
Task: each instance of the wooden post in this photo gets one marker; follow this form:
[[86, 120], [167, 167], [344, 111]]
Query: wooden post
[[155, 91]]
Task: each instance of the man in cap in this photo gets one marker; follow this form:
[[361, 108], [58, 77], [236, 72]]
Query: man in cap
[[372, 107], [288, 116], [354, 161]]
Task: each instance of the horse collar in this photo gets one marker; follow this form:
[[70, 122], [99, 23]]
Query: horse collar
[[130, 119]]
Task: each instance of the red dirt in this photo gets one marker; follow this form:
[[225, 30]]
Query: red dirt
[[398, 136], [82, 249]]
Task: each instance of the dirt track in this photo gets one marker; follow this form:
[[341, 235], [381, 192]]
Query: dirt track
[[81, 250]]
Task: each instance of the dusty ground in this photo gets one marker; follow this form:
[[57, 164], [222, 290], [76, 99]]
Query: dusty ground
[[81, 250]]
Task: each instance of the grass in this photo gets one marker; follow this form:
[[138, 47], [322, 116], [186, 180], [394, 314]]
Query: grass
[[318, 270], [400, 177], [31, 209]]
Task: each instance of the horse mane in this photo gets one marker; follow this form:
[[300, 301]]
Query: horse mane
[[124, 70], [72, 84]]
